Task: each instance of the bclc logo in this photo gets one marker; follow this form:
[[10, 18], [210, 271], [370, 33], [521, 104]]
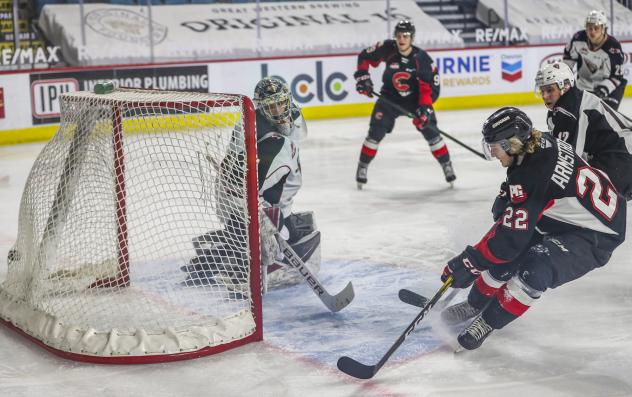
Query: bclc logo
[[305, 87]]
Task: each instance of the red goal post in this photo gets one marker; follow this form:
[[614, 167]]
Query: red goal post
[[107, 219]]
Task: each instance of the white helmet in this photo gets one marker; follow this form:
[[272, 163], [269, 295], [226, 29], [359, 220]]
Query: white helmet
[[596, 17], [553, 73]]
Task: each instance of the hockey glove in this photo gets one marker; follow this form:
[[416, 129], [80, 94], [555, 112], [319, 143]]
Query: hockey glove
[[601, 91], [501, 202], [463, 269], [422, 115], [364, 85]]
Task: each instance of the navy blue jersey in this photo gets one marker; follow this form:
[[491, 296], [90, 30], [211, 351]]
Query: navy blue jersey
[[411, 80], [552, 191]]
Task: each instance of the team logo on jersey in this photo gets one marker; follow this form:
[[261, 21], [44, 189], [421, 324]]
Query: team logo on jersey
[[511, 67], [517, 194], [399, 81]]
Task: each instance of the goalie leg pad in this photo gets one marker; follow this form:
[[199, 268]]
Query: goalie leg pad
[[306, 246], [300, 224]]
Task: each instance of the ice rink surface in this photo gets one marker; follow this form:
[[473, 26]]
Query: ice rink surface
[[396, 233]]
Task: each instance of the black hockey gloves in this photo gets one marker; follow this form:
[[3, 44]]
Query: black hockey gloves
[[364, 85], [601, 91], [502, 201], [422, 115], [463, 269]]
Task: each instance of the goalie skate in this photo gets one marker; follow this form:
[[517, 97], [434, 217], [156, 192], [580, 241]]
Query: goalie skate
[[220, 266]]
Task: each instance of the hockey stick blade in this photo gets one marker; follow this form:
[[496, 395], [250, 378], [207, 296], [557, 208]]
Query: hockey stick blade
[[362, 371], [356, 369], [412, 298]]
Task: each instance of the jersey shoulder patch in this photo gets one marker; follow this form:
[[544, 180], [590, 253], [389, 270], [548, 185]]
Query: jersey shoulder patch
[[517, 194]]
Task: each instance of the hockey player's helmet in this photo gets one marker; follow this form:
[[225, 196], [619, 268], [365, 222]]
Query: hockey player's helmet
[[273, 98], [598, 18], [554, 73], [404, 26], [504, 124]]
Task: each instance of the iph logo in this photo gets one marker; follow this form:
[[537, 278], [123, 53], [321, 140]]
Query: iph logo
[[45, 96]]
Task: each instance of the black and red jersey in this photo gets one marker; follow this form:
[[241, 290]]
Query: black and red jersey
[[552, 191], [410, 80]]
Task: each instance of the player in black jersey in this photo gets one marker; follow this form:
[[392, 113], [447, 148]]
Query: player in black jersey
[[597, 132], [410, 80], [599, 59], [563, 219]]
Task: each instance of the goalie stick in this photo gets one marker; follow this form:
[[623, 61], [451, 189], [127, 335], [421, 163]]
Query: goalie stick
[[412, 116], [335, 303], [363, 371]]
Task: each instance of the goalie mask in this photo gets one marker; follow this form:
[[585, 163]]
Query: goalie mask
[[273, 98]]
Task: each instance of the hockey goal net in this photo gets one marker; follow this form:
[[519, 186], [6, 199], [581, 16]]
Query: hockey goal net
[[108, 220]]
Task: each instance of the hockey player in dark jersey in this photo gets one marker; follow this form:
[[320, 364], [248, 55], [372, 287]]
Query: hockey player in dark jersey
[[280, 127], [563, 219], [599, 59], [597, 132], [409, 80]]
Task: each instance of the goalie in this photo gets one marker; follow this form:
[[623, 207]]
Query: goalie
[[221, 255]]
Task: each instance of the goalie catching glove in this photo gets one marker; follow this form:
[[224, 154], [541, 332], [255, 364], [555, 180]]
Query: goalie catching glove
[[422, 115], [463, 268], [364, 85]]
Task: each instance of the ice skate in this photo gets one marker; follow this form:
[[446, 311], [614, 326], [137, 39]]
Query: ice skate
[[458, 313], [361, 175], [448, 172], [473, 336]]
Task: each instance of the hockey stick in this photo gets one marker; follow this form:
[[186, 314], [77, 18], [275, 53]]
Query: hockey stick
[[363, 371], [414, 299], [334, 303], [412, 116]]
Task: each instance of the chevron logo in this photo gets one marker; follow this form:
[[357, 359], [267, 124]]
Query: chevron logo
[[511, 67]]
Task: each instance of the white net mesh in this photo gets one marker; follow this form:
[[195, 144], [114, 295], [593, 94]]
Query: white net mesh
[[116, 206]]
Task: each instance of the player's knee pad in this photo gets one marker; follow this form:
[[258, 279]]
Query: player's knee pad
[[536, 271], [377, 133], [431, 134]]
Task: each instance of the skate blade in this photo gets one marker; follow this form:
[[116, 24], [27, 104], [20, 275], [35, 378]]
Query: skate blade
[[360, 185]]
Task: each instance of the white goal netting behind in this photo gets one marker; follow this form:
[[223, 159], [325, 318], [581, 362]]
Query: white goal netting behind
[[112, 214]]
